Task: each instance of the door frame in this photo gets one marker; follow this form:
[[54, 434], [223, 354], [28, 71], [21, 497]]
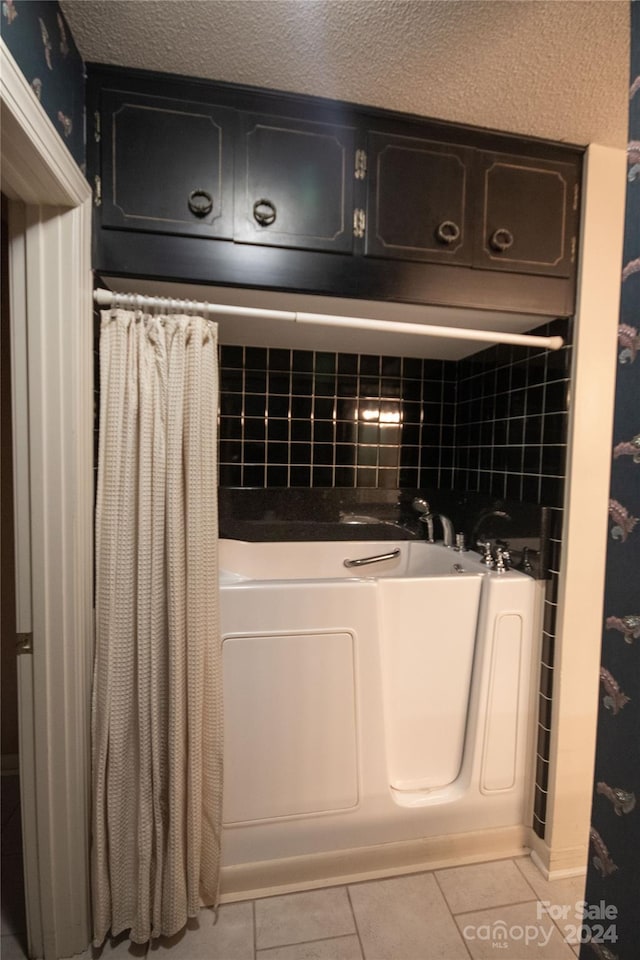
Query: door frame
[[52, 362]]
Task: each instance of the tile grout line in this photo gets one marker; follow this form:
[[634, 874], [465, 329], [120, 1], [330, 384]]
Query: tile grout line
[[301, 943], [296, 943], [451, 914], [262, 953], [255, 930], [497, 906], [355, 922], [556, 922]]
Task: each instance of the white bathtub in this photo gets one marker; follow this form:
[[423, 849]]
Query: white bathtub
[[370, 705]]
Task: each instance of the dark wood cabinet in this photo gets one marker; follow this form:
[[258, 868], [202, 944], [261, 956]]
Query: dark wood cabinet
[[294, 183], [167, 165], [213, 183], [443, 203], [526, 217], [418, 200]]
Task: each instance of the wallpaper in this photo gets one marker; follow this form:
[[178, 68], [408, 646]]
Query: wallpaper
[[39, 38], [613, 878]]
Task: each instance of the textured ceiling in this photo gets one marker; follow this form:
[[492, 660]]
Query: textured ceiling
[[550, 68]]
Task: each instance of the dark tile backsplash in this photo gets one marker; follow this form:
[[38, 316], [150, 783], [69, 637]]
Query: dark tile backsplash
[[495, 423], [295, 418], [512, 414]]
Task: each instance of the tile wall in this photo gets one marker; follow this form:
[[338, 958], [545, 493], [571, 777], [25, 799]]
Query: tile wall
[[295, 418], [511, 437], [494, 423], [511, 424]]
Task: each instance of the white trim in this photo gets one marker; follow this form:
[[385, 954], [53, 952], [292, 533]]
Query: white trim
[[36, 165], [580, 606], [51, 306], [557, 874]]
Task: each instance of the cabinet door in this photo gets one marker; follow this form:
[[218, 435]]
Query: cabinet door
[[418, 200], [167, 165], [294, 183], [527, 215]]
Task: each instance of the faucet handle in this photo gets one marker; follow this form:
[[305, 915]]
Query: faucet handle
[[487, 556], [421, 506], [503, 559], [525, 563]]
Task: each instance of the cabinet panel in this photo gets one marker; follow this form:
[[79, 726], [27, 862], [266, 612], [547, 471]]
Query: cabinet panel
[[167, 165], [527, 215], [294, 183], [418, 200]]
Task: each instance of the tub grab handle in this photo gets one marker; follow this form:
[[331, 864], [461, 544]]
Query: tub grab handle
[[361, 561]]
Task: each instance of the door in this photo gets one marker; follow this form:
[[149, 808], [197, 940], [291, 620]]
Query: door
[[418, 200], [167, 165], [294, 183], [526, 216]]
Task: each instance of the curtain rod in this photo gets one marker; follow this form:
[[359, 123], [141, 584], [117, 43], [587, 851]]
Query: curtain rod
[[107, 298]]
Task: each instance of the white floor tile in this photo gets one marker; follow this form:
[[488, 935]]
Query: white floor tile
[[569, 891], [231, 938], [513, 933], [297, 917], [336, 948], [564, 897], [479, 886], [405, 918]]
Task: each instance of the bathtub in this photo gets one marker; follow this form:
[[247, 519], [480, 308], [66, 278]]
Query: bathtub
[[374, 704]]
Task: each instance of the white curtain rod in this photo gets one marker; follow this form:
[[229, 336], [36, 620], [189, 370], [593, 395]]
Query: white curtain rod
[[107, 298]]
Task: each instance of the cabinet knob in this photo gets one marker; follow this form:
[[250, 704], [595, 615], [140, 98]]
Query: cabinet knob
[[264, 212], [500, 240], [200, 203], [448, 232]]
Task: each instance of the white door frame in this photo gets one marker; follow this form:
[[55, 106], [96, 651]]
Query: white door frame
[[52, 356]]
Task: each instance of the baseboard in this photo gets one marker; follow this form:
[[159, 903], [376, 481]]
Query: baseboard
[[289, 875], [558, 865]]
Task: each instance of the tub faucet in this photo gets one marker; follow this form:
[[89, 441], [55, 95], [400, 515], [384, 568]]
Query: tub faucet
[[486, 515], [427, 517]]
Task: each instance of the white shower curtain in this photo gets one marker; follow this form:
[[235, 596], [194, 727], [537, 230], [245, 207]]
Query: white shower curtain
[[157, 697]]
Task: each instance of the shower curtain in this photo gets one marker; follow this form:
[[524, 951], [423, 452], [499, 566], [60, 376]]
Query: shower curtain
[[157, 696]]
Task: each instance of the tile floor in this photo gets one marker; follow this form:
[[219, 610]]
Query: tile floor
[[461, 913]]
